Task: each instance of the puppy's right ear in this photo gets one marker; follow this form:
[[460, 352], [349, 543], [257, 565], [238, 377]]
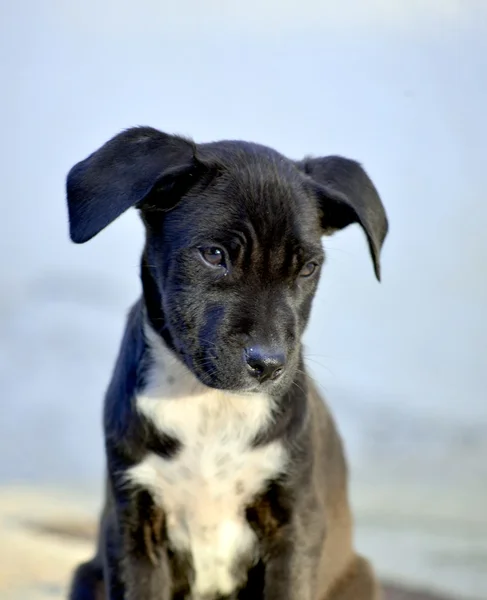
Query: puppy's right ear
[[121, 174]]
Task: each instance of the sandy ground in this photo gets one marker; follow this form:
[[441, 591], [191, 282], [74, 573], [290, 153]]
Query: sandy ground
[[43, 535]]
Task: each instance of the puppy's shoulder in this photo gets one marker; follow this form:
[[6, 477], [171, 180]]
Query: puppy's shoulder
[[330, 461], [128, 375]]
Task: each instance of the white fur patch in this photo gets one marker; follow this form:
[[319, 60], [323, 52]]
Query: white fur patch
[[204, 489]]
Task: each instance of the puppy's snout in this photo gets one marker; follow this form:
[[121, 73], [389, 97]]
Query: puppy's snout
[[264, 363]]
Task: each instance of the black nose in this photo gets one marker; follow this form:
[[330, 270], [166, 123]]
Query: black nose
[[264, 363]]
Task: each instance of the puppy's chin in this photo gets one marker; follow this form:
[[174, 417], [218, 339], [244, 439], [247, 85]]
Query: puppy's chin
[[244, 387], [214, 379]]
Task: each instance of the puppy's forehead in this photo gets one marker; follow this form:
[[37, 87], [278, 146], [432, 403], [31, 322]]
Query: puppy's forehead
[[260, 185], [253, 166], [228, 152]]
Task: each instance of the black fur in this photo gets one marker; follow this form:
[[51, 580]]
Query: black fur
[[266, 214]]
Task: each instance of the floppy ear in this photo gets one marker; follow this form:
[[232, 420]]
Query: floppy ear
[[347, 195], [121, 174]]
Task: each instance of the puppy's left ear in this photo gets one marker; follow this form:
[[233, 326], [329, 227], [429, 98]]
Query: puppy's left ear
[[347, 195]]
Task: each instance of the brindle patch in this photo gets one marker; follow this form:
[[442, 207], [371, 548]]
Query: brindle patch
[[153, 533], [146, 528], [269, 516]]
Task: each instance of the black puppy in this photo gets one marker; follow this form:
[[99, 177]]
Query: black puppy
[[226, 476]]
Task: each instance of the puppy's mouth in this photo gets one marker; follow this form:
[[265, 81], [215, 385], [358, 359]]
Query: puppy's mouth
[[208, 372], [201, 367]]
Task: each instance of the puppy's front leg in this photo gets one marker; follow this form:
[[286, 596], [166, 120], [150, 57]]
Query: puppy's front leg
[[111, 549], [289, 572], [145, 580], [285, 579], [290, 543], [144, 560]]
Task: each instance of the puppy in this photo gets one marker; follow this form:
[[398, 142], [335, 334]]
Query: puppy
[[225, 472]]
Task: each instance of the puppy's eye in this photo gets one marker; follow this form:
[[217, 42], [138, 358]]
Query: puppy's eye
[[308, 269], [213, 256]]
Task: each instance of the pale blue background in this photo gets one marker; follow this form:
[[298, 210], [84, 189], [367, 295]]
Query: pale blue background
[[401, 86]]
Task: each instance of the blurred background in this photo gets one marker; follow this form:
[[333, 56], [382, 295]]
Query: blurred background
[[399, 85]]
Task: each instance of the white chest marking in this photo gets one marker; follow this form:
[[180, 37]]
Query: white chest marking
[[204, 489]]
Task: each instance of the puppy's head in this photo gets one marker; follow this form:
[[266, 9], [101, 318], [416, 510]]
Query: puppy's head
[[233, 248]]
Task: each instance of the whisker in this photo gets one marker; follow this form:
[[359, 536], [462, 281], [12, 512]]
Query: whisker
[[299, 387], [320, 365]]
